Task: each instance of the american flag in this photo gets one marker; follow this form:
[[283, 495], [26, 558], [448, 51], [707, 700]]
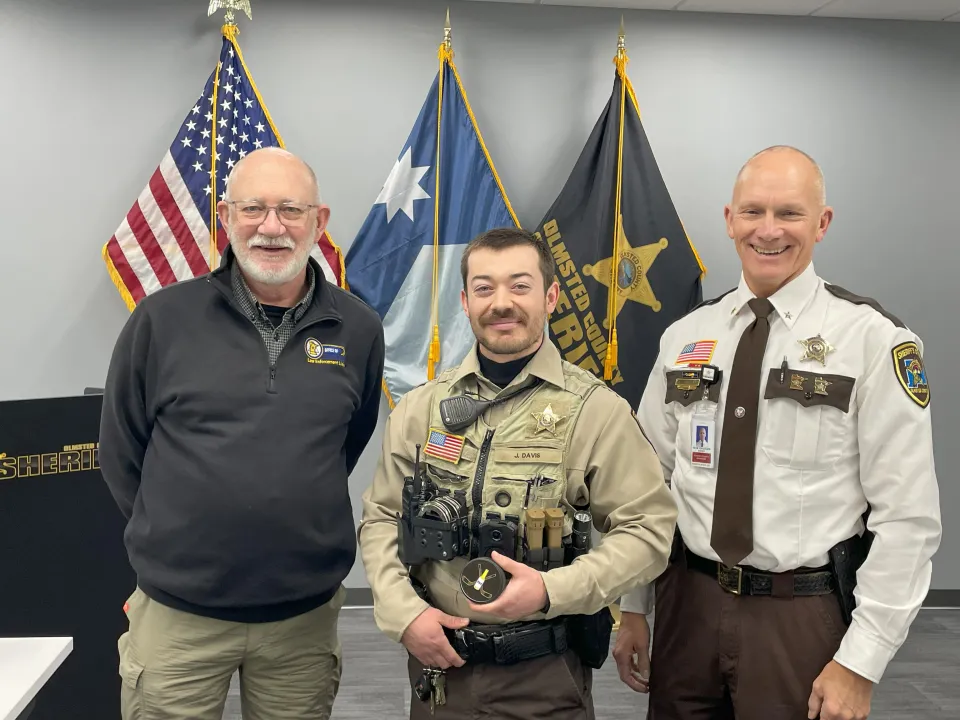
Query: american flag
[[444, 445], [165, 237], [698, 353]]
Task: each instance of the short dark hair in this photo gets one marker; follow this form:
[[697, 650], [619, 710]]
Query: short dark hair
[[506, 237]]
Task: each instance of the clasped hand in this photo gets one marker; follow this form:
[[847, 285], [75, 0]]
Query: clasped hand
[[524, 595]]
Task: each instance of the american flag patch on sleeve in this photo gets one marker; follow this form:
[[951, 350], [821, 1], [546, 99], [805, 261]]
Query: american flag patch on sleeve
[[697, 353], [444, 445]]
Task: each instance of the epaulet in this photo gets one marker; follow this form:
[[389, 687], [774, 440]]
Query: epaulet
[[447, 374], [590, 380], [860, 300], [712, 301]]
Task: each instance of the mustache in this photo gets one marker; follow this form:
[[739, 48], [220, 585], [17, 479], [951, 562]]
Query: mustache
[[498, 315], [284, 241]]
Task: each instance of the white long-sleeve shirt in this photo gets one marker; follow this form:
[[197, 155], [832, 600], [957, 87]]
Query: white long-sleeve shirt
[[820, 458]]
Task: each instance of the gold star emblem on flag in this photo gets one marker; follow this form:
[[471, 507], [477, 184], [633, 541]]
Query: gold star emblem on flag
[[632, 270]]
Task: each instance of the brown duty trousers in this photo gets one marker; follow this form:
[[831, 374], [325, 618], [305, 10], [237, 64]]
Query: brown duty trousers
[[720, 656], [558, 687]]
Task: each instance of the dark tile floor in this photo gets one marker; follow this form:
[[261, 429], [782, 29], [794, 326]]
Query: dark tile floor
[[922, 683]]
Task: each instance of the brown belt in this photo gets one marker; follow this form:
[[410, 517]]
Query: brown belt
[[744, 580]]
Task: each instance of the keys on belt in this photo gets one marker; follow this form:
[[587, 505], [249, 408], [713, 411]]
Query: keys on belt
[[496, 644], [431, 685]]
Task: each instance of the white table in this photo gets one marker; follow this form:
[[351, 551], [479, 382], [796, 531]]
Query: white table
[[25, 665]]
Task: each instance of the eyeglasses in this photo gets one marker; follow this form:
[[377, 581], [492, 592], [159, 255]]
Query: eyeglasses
[[287, 213]]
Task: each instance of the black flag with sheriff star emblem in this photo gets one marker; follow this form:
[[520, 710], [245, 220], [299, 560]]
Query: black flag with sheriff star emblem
[[658, 272]]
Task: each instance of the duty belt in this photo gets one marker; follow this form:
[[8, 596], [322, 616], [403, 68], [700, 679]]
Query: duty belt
[[741, 580], [509, 644]]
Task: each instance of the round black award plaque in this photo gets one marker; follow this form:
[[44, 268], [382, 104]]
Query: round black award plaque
[[482, 581]]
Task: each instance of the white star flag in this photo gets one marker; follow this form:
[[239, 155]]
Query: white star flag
[[405, 261], [403, 187]]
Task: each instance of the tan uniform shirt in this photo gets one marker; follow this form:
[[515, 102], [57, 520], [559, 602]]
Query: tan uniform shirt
[[832, 436], [609, 464]]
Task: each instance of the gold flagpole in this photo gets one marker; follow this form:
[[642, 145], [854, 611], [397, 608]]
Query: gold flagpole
[[230, 31], [444, 54], [610, 361]]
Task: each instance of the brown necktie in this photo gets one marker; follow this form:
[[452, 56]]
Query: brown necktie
[[732, 536]]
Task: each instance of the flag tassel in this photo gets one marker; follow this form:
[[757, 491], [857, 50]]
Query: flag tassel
[[433, 356], [610, 361]]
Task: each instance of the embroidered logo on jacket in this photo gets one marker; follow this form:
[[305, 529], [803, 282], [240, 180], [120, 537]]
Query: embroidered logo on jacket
[[320, 354]]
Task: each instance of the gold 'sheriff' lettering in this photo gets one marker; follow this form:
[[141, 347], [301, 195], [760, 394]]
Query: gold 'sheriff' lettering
[[8, 468], [579, 337], [67, 461]]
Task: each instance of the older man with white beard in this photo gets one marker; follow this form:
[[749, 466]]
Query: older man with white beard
[[236, 405]]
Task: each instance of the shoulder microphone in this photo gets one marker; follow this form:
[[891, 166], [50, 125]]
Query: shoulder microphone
[[462, 410]]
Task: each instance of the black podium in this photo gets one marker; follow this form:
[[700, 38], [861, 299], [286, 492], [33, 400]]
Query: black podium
[[63, 567]]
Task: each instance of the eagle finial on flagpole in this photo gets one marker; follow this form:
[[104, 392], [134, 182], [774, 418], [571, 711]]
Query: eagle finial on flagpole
[[230, 6]]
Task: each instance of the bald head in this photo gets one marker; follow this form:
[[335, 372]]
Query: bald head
[[784, 159], [272, 161], [777, 215]]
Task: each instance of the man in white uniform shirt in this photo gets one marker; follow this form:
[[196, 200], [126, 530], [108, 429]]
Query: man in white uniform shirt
[[817, 405]]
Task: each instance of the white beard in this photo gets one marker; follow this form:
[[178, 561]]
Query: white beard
[[271, 274]]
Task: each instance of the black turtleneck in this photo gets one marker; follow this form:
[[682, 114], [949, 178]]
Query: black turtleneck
[[502, 374]]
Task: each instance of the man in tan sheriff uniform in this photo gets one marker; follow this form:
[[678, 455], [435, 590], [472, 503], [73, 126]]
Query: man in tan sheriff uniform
[[820, 412], [561, 440]]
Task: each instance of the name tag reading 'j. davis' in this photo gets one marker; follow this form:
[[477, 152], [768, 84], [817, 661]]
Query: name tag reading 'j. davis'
[[553, 456]]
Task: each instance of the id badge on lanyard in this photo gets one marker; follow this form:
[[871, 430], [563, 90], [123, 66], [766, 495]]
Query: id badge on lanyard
[[703, 423]]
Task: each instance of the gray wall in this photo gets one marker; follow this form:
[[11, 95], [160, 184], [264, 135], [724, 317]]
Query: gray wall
[[93, 96]]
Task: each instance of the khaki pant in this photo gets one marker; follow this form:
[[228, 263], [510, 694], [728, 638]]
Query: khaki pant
[[558, 687], [178, 666]]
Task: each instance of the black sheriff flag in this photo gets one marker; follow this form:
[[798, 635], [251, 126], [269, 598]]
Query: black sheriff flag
[[653, 268]]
